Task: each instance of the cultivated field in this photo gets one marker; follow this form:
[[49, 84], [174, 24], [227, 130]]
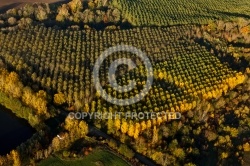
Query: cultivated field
[[62, 61], [174, 12]]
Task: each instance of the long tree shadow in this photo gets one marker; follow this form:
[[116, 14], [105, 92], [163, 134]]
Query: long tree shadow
[[236, 64], [232, 14]]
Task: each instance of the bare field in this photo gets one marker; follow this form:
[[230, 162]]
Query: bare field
[[8, 4]]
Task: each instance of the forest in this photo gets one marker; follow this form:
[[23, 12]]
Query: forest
[[201, 69]]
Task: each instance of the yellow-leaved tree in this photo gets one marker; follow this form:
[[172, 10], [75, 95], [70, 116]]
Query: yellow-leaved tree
[[131, 129], [75, 6], [59, 98], [137, 130], [143, 126], [124, 127], [117, 124], [16, 158]]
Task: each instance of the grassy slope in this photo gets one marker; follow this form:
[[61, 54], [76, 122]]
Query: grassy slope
[[98, 155]]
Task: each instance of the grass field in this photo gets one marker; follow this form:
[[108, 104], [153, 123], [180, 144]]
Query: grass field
[[97, 158]]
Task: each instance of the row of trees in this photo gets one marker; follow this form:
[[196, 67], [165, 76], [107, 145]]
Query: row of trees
[[37, 11], [55, 60], [73, 11], [191, 140], [222, 123], [65, 69], [13, 159], [164, 13], [11, 85]]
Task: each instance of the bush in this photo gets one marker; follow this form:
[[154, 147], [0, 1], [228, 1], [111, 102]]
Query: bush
[[66, 154], [12, 12], [24, 22], [1, 23], [41, 14], [112, 144], [220, 103], [179, 153], [124, 150], [12, 21], [28, 10]]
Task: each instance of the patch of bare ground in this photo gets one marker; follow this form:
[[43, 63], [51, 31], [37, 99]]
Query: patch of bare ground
[[9, 4]]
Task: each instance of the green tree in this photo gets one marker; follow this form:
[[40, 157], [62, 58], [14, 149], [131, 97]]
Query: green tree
[[110, 126], [124, 150], [179, 153]]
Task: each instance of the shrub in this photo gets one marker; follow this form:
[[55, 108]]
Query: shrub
[[12, 12], [1, 23], [24, 22], [28, 10], [12, 21], [66, 153], [41, 14], [124, 150]]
